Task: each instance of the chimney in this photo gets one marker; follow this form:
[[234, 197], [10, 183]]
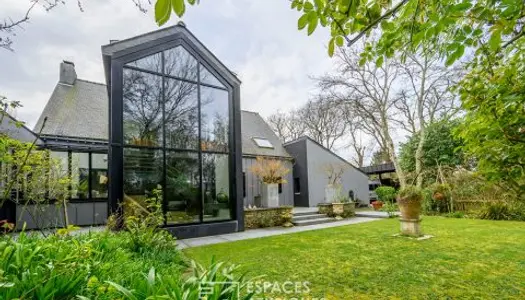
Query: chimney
[[68, 75]]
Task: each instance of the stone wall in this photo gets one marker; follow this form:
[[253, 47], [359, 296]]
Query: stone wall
[[267, 217]]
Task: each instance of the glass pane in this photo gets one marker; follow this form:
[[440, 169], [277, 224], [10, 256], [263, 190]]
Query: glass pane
[[181, 115], [209, 78], [216, 186], [99, 175], [214, 119], [142, 175], [182, 187], [180, 63], [142, 105], [60, 163], [80, 175], [150, 63]]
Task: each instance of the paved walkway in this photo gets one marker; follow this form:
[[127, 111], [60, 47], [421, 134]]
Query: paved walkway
[[264, 232]]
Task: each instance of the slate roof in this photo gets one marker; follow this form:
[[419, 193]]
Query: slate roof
[[78, 110], [253, 125], [81, 111], [9, 127]]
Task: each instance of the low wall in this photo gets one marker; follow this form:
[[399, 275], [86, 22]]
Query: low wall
[[328, 209], [267, 217], [52, 215]]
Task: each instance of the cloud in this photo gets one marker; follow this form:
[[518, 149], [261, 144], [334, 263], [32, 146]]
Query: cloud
[[258, 40]]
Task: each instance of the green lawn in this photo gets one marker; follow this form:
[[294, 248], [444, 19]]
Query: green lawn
[[466, 259]]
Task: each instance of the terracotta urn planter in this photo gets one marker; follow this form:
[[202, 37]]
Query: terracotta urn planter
[[409, 202], [377, 205]]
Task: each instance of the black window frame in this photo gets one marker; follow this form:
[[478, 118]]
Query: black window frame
[[118, 63]]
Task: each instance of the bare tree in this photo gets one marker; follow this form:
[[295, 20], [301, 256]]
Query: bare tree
[[287, 126], [358, 140], [425, 97], [370, 91], [10, 25], [324, 120]]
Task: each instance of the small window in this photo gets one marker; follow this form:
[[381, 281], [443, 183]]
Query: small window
[[297, 185], [244, 184], [280, 186], [263, 143]]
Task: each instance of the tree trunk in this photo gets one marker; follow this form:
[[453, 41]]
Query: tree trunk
[[419, 157], [393, 157]]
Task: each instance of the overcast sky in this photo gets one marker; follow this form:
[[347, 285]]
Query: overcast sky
[[257, 39]]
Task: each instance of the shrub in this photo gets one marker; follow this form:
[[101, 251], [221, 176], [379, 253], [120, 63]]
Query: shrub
[[62, 267], [456, 214], [390, 208], [220, 282], [269, 171], [495, 211], [386, 193], [410, 194]]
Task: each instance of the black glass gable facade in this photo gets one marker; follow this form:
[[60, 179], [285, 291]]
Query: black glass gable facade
[[175, 130]]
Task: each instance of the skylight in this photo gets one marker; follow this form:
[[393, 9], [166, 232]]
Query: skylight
[[262, 142]]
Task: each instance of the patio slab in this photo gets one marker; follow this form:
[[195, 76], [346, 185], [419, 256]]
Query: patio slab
[[373, 214], [264, 232]]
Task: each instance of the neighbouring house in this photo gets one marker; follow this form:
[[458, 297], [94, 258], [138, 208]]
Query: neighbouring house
[[309, 173]]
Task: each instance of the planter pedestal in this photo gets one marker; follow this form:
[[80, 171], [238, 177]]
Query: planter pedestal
[[270, 195], [411, 227]]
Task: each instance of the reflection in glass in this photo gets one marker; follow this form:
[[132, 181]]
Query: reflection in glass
[[215, 186], [214, 119], [149, 63], [79, 175], [179, 62], [208, 78], [142, 105], [99, 175], [182, 187], [181, 114], [142, 174]]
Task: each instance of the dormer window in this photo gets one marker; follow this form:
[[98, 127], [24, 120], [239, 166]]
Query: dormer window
[[262, 142]]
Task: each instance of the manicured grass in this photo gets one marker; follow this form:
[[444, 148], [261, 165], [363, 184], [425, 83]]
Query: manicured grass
[[466, 259]]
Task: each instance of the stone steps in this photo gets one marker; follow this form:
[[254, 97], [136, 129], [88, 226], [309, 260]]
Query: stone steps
[[310, 218]]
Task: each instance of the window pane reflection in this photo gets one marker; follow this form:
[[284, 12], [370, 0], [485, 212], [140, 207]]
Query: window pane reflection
[[142, 174], [142, 105], [149, 63], [208, 78], [80, 175], [180, 63], [182, 187], [214, 119], [99, 175], [181, 114], [216, 186]]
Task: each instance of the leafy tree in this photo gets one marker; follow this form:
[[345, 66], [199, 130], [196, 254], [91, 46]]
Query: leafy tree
[[440, 149], [449, 26], [493, 95]]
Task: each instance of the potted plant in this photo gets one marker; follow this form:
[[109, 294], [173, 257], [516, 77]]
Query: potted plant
[[334, 172], [377, 204], [271, 172], [409, 200]]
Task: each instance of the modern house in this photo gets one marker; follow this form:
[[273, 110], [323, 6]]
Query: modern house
[[312, 162], [168, 119]]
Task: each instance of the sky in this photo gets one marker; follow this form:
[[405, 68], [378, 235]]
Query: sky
[[257, 39]]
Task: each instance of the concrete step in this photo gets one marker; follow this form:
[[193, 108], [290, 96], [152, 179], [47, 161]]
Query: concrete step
[[305, 213], [308, 217], [314, 221], [372, 214]]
